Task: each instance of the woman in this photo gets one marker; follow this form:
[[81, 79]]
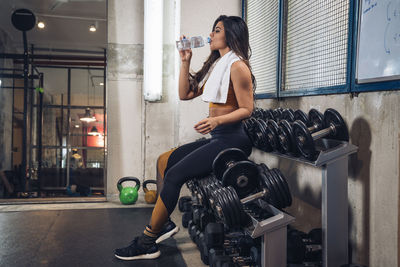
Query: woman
[[225, 81]]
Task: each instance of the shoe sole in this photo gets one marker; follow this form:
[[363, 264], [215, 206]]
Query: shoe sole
[[167, 235], [140, 257]]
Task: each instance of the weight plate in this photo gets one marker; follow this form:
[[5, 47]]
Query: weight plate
[[301, 116], [271, 197], [226, 208], [277, 113], [242, 176], [316, 120], [272, 133], [286, 144], [237, 204], [332, 117], [282, 187], [279, 192], [264, 142], [225, 158], [304, 140], [220, 202], [259, 133], [287, 114], [273, 192], [257, 113], [268, 115], [285, 186], [232, 206]]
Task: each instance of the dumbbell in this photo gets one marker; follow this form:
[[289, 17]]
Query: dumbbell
[[254, 259], [277, 113], [229, 207], [232, 167], [314, 122], [335, 128], [185, 204], [288, 114], [215, 237], [301, 247], [186, 217]]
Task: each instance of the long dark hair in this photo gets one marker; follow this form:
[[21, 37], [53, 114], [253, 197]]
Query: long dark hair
[[237, 39]]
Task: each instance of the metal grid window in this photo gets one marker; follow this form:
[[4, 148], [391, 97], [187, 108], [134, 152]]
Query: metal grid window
[[315, 44], [262, 21]]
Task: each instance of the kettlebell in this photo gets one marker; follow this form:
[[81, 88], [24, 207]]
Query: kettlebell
[[128, 195], [150, 196]]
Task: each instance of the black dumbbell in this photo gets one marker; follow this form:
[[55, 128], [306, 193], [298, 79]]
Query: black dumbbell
[[288, 114], [254, 259], [232, 167], [231, 212], [192, 229], [277, 113], [335, 128], [314, 122], [229, 207], [185, 204], [301, 248]]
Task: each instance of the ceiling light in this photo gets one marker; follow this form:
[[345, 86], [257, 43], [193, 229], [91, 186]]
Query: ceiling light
[[92, 28], [0, 83], [76, 125], [101, 84], [87, 117], [41, 25], [94, 131]]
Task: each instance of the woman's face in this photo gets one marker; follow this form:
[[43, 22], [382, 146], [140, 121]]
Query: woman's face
[[218, 40]]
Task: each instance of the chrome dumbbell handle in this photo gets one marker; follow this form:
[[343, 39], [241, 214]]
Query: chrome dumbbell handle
[[258, 195]]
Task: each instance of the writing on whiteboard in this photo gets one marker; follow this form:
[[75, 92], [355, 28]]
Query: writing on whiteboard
[[369, 6], [392, 31]]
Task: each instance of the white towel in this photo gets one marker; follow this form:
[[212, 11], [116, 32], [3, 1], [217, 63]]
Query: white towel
[[217, 79]]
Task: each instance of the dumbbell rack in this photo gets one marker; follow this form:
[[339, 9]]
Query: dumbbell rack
[[333, 161], [273, 230]]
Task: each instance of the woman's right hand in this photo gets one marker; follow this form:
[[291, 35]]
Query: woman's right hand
[[186, 55]]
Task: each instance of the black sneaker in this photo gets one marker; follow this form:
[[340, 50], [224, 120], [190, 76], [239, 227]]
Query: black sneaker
[[136, 252], [168, 230]]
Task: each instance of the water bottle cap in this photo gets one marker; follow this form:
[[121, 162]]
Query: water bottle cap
[[208, 40]]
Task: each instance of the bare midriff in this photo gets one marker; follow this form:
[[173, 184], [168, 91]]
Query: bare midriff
[[217, 109], [215, 112]]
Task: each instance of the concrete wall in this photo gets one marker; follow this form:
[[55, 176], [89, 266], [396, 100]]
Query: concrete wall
[[373, 122], [124, 92], [195, 22], [153, 127]]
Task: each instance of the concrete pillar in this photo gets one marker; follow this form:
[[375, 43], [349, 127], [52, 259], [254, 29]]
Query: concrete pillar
[[124, 92]]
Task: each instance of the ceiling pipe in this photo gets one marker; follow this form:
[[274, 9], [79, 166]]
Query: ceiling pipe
[[54, 57], [63, 63]]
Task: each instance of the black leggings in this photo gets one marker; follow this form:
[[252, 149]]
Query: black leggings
[[194, 160]]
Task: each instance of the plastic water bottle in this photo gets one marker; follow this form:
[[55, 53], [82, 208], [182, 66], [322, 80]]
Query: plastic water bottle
[[194, 42]]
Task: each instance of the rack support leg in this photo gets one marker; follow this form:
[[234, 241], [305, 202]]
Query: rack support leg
[[335, 213]]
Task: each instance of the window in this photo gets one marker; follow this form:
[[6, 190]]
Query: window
[[306, 47]]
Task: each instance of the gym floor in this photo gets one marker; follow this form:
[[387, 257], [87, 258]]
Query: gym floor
[[84, 234]]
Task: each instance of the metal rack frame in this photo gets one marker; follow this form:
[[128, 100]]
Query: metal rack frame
[[333, 161]]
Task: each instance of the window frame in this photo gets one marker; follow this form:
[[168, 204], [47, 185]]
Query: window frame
[[351, 86]]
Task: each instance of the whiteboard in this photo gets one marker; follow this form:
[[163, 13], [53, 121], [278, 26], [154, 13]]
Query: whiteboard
[[378, 51]]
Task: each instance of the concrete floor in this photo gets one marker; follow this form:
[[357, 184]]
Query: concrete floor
[[188, 249]]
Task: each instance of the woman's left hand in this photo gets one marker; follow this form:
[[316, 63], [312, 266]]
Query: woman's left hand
[[206, 125]]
